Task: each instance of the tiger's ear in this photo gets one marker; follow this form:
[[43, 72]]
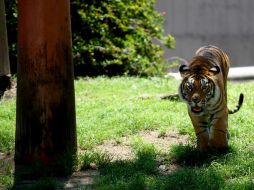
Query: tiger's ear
[[183, 69], [214, 70]]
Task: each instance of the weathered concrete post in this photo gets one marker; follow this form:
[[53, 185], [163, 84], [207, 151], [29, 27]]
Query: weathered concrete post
[[45, 122]]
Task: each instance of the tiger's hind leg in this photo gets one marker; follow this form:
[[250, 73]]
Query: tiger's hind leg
[[200, 125], [219, 135]]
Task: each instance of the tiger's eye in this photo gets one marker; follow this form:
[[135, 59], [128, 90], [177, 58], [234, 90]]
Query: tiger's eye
[[204, 84], [189, 86]]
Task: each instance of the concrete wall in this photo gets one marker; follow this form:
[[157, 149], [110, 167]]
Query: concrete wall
[[228, 24]]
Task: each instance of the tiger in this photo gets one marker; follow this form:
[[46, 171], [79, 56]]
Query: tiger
[[204, 89]]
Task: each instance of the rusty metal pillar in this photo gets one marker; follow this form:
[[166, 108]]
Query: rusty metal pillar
[[45, 122]]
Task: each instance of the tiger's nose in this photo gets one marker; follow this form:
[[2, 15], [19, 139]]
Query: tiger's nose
[[195, 98]]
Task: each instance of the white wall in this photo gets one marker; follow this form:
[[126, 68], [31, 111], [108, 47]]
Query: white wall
[[228, 24]]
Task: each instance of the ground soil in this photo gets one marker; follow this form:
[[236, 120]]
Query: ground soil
[[119, 149]]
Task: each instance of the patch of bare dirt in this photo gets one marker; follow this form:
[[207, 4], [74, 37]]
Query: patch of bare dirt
[[163, 142], [82, 180], [10, 92], [6, 163], [118, 151], [122, 150]]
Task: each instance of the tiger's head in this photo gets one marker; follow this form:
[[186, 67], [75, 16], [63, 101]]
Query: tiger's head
[[199, 87]]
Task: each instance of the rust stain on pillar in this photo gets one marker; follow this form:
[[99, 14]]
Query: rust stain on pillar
[[45, 123]]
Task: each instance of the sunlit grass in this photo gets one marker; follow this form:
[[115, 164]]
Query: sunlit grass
[[109, 108], [7, 125]]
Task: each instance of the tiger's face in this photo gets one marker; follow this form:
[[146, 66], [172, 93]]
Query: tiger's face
[[199, 92]]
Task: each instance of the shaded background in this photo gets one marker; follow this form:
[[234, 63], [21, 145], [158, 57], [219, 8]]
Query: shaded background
[[224, 23]]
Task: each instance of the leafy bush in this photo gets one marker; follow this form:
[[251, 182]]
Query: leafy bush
[[110, 37], [117, 37]]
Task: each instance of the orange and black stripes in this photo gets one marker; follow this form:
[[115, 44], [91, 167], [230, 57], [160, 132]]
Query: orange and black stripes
[[204, 90]]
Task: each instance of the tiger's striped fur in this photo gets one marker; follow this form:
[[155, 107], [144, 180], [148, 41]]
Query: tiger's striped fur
[[204, 89]]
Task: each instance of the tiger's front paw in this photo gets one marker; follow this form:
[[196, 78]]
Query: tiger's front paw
[[219, 139], [219, 143], [203, 148]]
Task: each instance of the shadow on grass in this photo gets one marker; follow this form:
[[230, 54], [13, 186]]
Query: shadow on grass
[[39, 175], [143, 172], [187, 155], [194, 171]]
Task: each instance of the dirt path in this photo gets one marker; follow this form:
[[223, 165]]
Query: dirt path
[[120, 149]]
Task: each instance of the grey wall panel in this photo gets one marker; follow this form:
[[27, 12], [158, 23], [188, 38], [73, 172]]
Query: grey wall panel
[[228, 24]]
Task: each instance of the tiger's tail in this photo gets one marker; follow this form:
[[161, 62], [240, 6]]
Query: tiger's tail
[[240, 102]]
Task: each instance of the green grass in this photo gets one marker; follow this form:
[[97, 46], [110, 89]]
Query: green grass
[[7, 125], [111, 108]]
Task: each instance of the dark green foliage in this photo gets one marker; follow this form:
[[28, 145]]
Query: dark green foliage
[[110, 37], [11, 18], [116, 37]]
